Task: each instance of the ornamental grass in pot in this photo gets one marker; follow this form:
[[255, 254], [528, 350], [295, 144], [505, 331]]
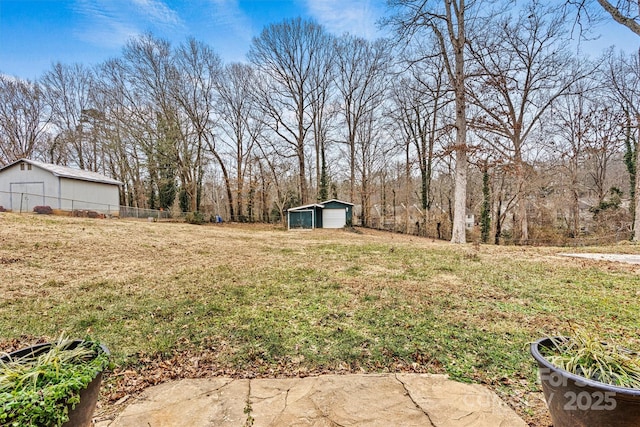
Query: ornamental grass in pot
[[52, 384], [588, 380]]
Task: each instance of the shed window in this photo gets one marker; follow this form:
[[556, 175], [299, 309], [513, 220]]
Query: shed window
[[21, 166], [29, 167]]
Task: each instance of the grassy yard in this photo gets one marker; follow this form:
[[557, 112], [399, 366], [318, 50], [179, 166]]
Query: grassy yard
[[173, 300]]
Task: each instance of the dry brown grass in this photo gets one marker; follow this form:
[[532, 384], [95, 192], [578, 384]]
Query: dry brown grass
[[258, 300]]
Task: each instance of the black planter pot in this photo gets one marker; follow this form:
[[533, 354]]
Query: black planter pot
[[575, 401], [81, 415]]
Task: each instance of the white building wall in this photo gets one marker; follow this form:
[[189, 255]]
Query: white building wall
[[27, 188], [87, 195]]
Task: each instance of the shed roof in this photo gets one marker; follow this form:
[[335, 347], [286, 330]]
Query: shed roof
[[320, 205], [67, 172], [336, 201], [301, 208]]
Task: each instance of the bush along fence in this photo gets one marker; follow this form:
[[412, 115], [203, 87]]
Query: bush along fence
[[43, 204]]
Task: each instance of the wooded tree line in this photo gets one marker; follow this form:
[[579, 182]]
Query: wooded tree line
[[472, 107]]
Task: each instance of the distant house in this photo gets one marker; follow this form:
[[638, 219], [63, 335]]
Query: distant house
[[469, 220], [26, 183], [330, 214]]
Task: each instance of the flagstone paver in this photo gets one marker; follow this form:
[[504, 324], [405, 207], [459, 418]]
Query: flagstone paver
[[329, 400]]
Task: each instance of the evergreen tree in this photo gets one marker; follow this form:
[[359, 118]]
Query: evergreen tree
[[323, 193], [185, 201], [630, 163], [485, 217]]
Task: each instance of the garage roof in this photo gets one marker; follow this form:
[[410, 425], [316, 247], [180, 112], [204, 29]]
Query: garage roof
[[67, 172]]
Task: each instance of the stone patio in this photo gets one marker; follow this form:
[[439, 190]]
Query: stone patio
[[330, 400]]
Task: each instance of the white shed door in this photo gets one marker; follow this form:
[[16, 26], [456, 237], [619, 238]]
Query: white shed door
[[334, 218], [26, 195]]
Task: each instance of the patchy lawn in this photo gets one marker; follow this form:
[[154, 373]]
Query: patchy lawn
[[176, 300]]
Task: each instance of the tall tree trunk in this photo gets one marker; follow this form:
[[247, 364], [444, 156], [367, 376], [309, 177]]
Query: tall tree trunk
[[458, 41], [521, 207], [458, 231], [302, 174], [227, 183], [636, 221]]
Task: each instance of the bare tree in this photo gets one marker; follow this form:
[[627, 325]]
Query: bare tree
[[323, 113], [239, 127], [624, 80], [591, 13], [149, 72], [69, 91], [605, 143], [362, 80], [448, 22], [625, 12], [411, 122], [139, 88], [374, 153], [120, 160], [197, 69], [523, 69], [418, 100], [289, 54], [280, 174], [166, 98], [23, 120], [128, 126], [573, 122]]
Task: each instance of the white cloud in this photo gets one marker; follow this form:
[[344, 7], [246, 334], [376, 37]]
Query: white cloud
[[101, 24], [159, 12], [232, 28], [110, 23], [357, 17], [228, 14]]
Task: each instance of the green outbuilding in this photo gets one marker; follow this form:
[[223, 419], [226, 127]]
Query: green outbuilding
[[330, 214]]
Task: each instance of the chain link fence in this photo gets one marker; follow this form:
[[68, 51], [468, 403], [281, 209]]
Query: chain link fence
[[21, 202]]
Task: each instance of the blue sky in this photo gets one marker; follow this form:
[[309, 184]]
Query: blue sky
[[36, 33]]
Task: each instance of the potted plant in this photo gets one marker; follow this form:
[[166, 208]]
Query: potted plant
[[587, 381], [52, 384]]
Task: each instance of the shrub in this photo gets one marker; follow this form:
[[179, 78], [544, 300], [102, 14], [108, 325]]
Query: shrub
[[43, 210], [2, 209], [196, 218], [589, 355], [40, 389]]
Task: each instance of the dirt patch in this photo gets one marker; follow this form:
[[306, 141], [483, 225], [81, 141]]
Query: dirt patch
[[624, 258]]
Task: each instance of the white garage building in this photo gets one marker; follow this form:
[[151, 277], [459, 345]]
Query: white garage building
[[330, 214], [26, 183]]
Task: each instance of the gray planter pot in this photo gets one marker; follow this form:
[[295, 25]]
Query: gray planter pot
[[575, 401], [81, 415]]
